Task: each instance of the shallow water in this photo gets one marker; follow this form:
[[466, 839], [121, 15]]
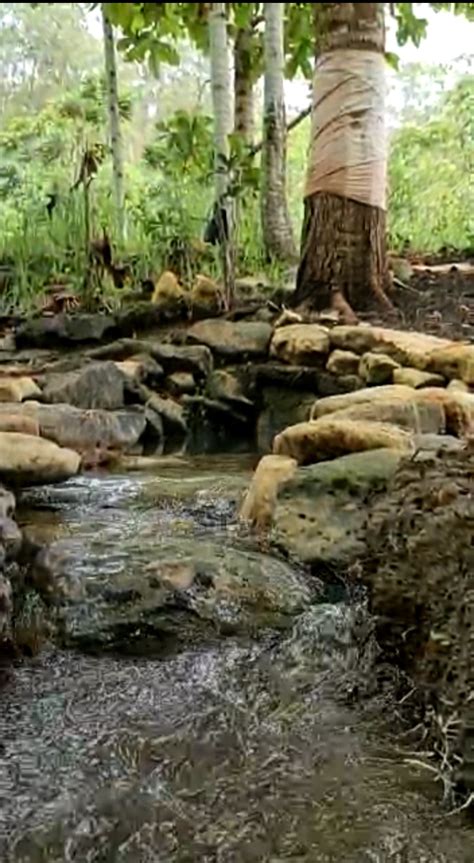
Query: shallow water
[[240, 751]]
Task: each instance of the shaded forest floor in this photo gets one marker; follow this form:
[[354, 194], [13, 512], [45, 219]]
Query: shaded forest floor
[[439, 301]]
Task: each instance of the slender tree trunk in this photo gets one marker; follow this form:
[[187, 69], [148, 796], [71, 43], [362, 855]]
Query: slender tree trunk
[[276, 225], [114, 124], [244, 85], [222, 106], [343, 251]]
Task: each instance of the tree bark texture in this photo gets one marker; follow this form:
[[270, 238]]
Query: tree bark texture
[[244, 85], [276, 225], [114, 124], [343, 259], [223, 122]]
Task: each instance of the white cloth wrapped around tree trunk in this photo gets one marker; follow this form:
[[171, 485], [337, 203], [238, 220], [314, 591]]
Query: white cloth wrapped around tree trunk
[[348, 154]]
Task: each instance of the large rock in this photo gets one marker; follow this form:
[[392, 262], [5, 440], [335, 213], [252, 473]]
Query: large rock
[[27, 460], [98, 386], [458, 407], [377, 369], [305, 379], [331, 437], [64, 329], [453, 361], [201, 591], [84, 430], [271, 472], [320, 512], [300, 344], [369, 394], [281, 408], [196, 359], [17, 389], [407, 348], [422, 417], [237, 341]]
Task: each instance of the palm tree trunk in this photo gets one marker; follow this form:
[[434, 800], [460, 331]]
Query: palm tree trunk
[[343, 252], [114, 124], [222, 106], [244, 85], [276, 225]]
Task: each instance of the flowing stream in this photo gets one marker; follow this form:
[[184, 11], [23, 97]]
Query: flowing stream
[[238, 750]]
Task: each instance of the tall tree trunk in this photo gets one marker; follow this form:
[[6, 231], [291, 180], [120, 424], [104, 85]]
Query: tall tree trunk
[[343, 251], [244, 85], [222, 106], [114, 124], [276, 225]]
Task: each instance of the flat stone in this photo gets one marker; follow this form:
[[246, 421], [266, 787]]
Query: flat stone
[[330, 437], [27, 460], [97, 386], [377, 369], [63, 329], [188, 594], [17, 389], [196, 359], [320, 512], [300, 344], [407, 348], [239, 340], [83, 430], [423, 417], [368, 394], [417, 379]]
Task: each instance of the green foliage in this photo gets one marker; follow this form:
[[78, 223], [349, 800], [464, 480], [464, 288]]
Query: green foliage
[[431, 196]]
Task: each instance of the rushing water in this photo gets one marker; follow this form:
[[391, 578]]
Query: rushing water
[[233, 752]]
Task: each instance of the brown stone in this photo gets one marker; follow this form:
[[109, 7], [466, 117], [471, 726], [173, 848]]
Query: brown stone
[[29, 460], [456, 360], [343, 363], [300, 344], [417, 379], [377, 369], [369, 394], [14, 389], [407, 348], [331, 437]]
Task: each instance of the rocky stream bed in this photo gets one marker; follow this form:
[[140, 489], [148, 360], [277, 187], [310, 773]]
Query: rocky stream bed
[[207, 655], [284, 746]]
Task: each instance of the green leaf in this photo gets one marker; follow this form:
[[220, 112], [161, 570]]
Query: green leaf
[[393, 60]]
